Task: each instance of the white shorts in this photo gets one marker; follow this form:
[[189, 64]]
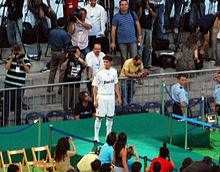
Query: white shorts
[[106, 105]]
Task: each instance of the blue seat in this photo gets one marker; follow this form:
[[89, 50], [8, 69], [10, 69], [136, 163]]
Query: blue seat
[[151, 105], [56, 116], [133, 107], [193, 102], [30, 117], [208, 107], [168, 104], [69, 114]]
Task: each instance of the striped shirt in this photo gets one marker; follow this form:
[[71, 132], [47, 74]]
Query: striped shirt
[[16, 75]]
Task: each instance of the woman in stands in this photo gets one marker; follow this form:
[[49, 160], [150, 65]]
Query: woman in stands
[[63, 154], [120, 154]]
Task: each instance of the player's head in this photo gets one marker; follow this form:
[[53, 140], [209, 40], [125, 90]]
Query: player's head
[[181, 79], [111, 138], [137, 60], [107, 61]]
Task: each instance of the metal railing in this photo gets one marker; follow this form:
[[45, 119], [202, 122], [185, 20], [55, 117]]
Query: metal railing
[[149, 89]]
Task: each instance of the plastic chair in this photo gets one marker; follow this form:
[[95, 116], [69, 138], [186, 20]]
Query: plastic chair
[[44, 164], [119, 110], [25, 163], [151, 105], [69, 115], [55, 116], [168, 104], [30, 117], [133, 107], [193, 101]]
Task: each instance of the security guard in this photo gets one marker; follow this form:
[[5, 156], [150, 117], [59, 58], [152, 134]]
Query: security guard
[[216, 95], [179, 95]]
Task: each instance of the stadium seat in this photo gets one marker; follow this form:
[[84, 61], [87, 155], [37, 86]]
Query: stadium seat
[[30, 117], [119, 110], [55, 116], [69, 115], [152, 105], [133, 107]]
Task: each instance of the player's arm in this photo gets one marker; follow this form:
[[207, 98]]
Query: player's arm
[[118, 94], [95, 96]]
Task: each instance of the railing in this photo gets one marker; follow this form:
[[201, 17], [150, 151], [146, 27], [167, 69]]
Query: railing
[[149, 89]]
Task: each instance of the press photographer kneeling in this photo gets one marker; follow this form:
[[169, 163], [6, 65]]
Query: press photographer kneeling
[[73, 66], [17, 65]]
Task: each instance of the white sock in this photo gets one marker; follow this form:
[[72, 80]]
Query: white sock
[[109, 123], [98, 123]]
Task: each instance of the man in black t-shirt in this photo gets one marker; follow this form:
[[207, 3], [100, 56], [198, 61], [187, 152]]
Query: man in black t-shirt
[[84, 108], [73, 66]]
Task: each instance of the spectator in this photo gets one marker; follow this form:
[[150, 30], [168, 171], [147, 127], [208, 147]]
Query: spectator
[[159, 9], [123, 26], [13, 168], [120, 154], [96, 165], [97, 16], [178, 6], [94, 60], [186, 162], [63, 153], [84, 108], [146, 16], [17, 65], [216, 42], [216, 96], [106, 154], [14, 21], [39, 10], [106, 168], [58, 39], [197, 10], [157, 167], [189, 54], [136, 167], [73, 66], [132, 68], [131, 150], [166, 165], [79, 31], [89, 162]]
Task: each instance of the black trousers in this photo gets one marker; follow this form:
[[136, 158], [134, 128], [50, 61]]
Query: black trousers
[[218, 109], [177, 109]]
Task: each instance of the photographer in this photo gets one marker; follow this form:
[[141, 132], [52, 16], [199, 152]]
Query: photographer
[[132, 68], [18, 65], [14, 21], [73, 66], [78, 28]]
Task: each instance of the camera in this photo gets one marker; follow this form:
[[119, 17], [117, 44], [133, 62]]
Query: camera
[[18, 57], [75, 13], [71, 50]]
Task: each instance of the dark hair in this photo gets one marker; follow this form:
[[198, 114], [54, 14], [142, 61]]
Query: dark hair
[[138, 57], [181, 75], [61, 149], [111, 138], [96, 164], [121, 1], [121, 142], [207, 160], [130, 152], [164, 152], [16, 48], [193, 28], [191, 40], [186, 162], [97, 43], [105, 168], [13, 168], [107, 57], [83, 9], [82, 95], [61, 22], [136, 167], [157, 166]]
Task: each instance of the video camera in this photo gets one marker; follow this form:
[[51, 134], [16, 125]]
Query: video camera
[[71, 50], [75, 13]]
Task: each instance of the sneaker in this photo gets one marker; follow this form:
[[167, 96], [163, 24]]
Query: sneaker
[[45, 69], [176, 30]]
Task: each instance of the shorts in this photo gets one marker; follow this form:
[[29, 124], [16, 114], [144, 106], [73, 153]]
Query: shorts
[[106, 105]]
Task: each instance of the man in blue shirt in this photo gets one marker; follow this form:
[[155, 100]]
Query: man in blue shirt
[[179, 95], [216, 95], [106, 154], [124, 24], [58, 39]]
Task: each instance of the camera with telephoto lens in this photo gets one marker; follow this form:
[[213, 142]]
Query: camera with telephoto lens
[[75, 13], [71, 50]]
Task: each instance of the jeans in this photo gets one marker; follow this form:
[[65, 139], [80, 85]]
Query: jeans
[[9, 97], [160, 9], [218, 52], [146, 50], [128, 88], [196, 12], [15, 35], [178, 6], [85, 51], [128, 47]]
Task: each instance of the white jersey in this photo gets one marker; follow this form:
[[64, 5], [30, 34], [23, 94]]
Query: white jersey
[[105, 81], [95, 63]]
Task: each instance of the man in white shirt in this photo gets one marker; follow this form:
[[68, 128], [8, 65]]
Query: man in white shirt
[[97, 16], [79, 32], [105, 84], [94, 60]]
